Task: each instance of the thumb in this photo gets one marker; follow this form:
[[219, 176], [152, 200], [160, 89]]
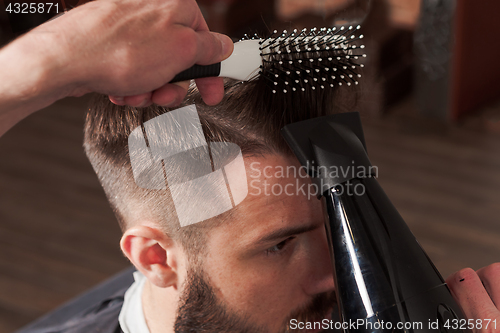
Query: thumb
[[212, 47]]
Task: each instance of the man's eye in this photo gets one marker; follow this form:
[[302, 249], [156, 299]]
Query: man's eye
[[278, 248]]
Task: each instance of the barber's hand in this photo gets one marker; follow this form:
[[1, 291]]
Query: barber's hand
[[131, 49], [478, 293]]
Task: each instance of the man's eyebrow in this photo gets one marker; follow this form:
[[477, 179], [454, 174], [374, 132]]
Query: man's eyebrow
[[287, 232]]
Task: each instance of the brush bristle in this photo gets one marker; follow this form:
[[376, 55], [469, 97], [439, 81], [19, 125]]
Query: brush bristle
[[309, 60]]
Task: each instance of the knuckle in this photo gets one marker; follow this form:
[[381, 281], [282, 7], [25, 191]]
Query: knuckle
[[189, 48], [466, 273], [175, 5], [122, 66], [216, 48], [492, 270], [213, 46]]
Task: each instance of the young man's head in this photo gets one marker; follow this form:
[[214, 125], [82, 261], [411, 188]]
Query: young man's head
[[251, 269]]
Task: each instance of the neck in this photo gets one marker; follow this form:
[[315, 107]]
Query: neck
[[160, 307]]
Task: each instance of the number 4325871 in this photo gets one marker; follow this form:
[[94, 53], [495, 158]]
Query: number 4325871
[[32, 8]]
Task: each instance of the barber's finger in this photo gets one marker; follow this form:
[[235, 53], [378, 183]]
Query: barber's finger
[[212, 47], [170, 94], [490, 276], [471, 295], [211, 89], [139, 101]]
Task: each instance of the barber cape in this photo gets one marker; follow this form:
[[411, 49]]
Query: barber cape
[[102, 318], [119, 313]]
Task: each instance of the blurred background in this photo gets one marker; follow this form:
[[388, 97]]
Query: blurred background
[[430, 103]]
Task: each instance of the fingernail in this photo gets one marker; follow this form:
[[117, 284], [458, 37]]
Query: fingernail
[[170, 104], [227, 45], [117, 100]]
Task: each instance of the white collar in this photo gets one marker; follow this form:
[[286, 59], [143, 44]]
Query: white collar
[[132, 315]]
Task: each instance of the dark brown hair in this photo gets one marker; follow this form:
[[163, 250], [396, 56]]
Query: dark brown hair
[[250, 115]]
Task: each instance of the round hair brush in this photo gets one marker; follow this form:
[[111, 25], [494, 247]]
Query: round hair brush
[[291, 61]]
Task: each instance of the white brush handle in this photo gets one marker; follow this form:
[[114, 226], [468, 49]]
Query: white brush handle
[[243, 64]]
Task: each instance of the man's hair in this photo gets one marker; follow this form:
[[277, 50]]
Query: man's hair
[[250, 115]]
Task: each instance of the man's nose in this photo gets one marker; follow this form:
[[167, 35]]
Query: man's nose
[[321, 278]]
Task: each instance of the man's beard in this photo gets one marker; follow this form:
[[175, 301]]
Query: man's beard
[[200, 311]]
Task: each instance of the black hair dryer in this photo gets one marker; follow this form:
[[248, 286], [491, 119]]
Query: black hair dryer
[[385, 282]]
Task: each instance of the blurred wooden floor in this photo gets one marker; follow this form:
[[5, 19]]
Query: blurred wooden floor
[[58, 237]]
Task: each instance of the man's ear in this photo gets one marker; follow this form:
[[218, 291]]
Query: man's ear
[[154, 254]]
